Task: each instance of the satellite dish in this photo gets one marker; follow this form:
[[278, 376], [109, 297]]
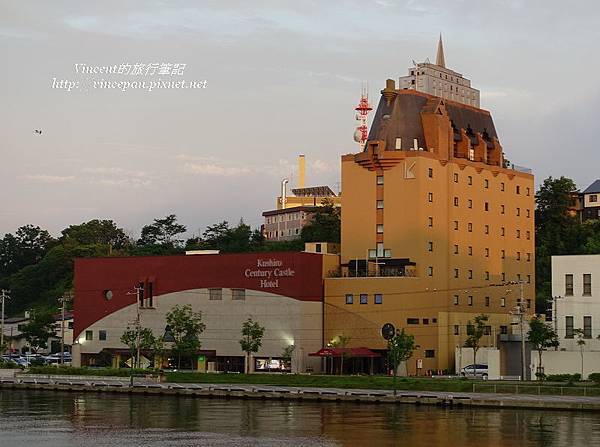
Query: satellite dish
[[388, 331]]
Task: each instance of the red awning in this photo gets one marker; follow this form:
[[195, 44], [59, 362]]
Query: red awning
[[348, 352]]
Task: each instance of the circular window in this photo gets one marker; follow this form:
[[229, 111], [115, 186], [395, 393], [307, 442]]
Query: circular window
[[108, 294]]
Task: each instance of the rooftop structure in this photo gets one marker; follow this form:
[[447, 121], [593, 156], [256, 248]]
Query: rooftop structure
[[436, 79]]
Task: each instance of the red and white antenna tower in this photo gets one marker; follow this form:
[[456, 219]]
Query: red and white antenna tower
[[362, 131]]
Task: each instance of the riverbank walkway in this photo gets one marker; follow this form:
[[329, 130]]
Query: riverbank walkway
[[148, 386]]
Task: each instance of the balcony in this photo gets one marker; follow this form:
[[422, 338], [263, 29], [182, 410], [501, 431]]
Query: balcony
[[382, 268]]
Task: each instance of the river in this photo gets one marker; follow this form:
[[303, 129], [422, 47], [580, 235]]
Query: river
[[39, 418]]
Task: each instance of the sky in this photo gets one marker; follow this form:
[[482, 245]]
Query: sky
[[282, 79]]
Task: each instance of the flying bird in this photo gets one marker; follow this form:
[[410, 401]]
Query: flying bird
[[38, 131]]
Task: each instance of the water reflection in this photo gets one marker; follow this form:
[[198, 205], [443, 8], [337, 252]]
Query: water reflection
[[62, 419]]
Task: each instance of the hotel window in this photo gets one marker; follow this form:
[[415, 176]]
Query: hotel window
[[215, 294], [380, 204], [528, 212], [102, 335], [429, 271], [380, 250], [470, 251], [455, 302], [456, 224], [502, 232], [518, 277], [486, 206], [587, 326], [470, 203], [399, 142], [456, 273], [504, 330], [379, 228], [470, 300], [238, 294], [501, 209], [387, 253], [487, 229], [430, 197], [378, 298], [430, 221], [528, 279], [528, 235], [594, 198], [89, 335], [470, 329], [412, 321], [528, 192], [569, 284], [502, 186], [456, 329], [502, 302], [518, 256], [528, 257], [587, 284], [455, 249], [518, 211], [456, 201], [487, 252], [470, 274], [470, 227], [503, 276], [425, 320], [487, 276], [430, 172], [518, 234], [487, 330], [470, 180], [487, 301], [380, 179], [455, 178], [569, 332], [430, 246], [486, 183], [429, 353], [349, 298], [518, 189], [364, 298]]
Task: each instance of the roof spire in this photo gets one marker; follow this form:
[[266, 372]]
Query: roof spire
[[439, 59]]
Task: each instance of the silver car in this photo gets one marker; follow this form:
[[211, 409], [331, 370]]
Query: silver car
[[475, 370]]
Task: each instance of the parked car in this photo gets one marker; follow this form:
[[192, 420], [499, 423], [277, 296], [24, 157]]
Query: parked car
[[475, 370]]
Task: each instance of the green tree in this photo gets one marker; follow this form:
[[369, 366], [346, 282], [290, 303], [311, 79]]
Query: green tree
[[251, 341], [134, 336], [286, 354], [580, 340], [97, 232], [162, 232], [186, 326], [341, 341], [325, 224], [474, 337], [542, 336], [558, 231], [400, 349], [39, 329], [26, 247]]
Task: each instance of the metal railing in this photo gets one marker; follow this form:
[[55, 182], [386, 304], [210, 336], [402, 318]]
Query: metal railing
[[537, 390]]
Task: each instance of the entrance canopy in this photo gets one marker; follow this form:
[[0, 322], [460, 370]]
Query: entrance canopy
[[347, 352]]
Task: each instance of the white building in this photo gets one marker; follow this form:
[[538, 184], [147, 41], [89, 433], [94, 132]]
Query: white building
[[436, 79], [576, 292]]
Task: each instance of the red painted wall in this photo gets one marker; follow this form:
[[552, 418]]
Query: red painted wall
[[177, 273]]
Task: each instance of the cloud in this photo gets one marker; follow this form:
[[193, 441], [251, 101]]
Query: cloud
[[118, 176], [49, 179], [322, 166], [216, 170]]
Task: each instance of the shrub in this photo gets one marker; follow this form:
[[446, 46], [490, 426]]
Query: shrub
[[564, 378], [595, 377], [4, 364]]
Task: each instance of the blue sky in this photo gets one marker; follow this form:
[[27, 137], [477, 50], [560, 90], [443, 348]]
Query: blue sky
[[282, 79]]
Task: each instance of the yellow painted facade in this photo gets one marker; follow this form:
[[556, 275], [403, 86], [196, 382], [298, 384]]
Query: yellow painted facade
[[460, 220]]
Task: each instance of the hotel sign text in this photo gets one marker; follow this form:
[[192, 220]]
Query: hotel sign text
[[269, 272]]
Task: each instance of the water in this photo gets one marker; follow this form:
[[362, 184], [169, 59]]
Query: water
[[30, 418]]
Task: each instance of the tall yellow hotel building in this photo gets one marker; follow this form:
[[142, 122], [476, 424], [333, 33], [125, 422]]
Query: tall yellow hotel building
[[437, 227]]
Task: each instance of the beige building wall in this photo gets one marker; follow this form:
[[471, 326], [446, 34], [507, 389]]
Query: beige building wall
[[287, 321]]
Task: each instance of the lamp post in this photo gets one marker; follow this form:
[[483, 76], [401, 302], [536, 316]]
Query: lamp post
[[63, 300], [4, 295]]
